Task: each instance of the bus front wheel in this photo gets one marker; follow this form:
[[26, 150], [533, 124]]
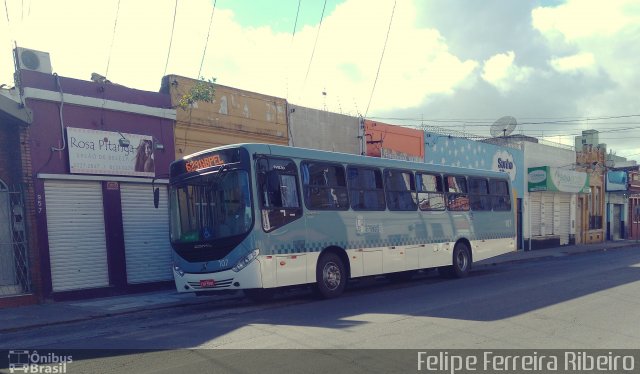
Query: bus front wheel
[[331, 276], [461, 262]]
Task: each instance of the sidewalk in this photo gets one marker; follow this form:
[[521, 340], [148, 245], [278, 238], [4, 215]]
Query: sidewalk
[[15, 319]]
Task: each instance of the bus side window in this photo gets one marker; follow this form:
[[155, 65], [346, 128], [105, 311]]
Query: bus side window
[[430, 193], [324, 186], [457, 193], [401, 190], [278, 191], [500, 199], [366, 191], [479, 194]]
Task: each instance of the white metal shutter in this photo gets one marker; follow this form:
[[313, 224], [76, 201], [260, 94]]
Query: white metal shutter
[[563, 210], [146, 234], [535, 204], [77, 246], [547, 213]]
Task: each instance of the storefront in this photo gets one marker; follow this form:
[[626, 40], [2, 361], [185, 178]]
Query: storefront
[[616, 204], [552, 196], [96, 150]]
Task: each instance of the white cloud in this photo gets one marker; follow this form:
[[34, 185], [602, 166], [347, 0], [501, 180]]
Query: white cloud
[[416, 62], [603, 37], [580, 19], [579, 62], [500, 71]]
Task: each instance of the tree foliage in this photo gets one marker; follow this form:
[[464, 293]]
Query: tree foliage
[[202, 91]]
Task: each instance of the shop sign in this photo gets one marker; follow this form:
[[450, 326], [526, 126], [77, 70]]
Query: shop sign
[[616, 180], [546, 178], [104, 152], [503, 161]]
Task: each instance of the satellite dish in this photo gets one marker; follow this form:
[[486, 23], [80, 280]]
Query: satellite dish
[[503, 126]]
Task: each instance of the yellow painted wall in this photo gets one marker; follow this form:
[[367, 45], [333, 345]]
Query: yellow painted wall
[[235, 116]]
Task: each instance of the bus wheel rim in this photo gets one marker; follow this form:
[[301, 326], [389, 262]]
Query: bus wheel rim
[[462, 261], [331, 276]]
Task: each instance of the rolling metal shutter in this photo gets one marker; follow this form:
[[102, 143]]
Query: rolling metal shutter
[[564, 217], [146, 234], [547, 213], [77, 247], [535, 203]]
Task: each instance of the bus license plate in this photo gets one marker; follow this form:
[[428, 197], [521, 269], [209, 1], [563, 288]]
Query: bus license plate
[[207, 283]]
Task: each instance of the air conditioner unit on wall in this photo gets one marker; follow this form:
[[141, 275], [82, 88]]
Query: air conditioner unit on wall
[[30, 59]]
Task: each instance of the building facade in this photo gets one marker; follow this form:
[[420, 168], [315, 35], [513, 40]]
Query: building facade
[[391, 141], [319, 129], [234, 116], [95, 150], [19, 275]]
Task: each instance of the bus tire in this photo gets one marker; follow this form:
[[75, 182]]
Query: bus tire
[[259, 295], [331, 276], [461, 262]]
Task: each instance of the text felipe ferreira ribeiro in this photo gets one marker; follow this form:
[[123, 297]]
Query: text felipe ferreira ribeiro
[[488, 361]]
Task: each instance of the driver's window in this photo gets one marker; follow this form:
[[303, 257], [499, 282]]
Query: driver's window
[[278, 189]]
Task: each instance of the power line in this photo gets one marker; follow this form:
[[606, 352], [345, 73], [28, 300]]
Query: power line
[[554, 120], [6, 10], [381, 56], [113, 37], [295, 23], [207, 41], [314, 45], [175, 10]]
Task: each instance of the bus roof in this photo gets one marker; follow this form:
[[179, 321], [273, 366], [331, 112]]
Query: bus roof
[[338, 157]]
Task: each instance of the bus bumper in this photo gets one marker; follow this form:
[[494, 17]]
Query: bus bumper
[[227, 280]]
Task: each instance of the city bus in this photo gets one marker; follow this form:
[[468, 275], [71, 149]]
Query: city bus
[[261, 217]]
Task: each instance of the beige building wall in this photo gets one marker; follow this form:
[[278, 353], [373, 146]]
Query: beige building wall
[[234, 116], [319, 129]]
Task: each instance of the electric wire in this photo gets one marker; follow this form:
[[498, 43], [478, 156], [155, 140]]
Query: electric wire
[[6, 10], [113, 37], [314, 47], [207, 41], [381, 56], [175, 10], [295, 23]]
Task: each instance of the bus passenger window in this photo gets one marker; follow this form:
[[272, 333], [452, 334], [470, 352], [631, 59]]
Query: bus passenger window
[[324, 186], [401, 190], [500, 199], [479, 194], [457, 198], [366, 191], [430, 193]]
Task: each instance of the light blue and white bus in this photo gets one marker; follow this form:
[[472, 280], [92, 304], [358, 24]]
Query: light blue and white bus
[[258, 217]]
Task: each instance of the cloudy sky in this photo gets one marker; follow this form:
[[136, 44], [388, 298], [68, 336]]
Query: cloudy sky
[[557, 66]]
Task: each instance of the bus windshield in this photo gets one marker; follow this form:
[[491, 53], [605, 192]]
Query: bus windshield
[[210, 207]]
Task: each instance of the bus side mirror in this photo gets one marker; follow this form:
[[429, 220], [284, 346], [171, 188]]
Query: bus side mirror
[[156, 197]]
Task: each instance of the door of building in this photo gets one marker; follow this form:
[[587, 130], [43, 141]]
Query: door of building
[[77, 244]]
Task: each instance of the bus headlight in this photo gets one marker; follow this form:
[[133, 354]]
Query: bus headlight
[[178, 270], [246, 260]]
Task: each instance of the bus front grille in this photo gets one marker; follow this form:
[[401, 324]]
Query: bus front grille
[[223, 283]]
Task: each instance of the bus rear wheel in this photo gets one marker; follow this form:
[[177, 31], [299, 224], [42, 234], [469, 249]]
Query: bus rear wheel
[[331, 276], [461, 262]]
